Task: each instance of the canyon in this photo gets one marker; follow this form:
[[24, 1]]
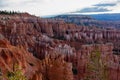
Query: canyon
[[52, 49]]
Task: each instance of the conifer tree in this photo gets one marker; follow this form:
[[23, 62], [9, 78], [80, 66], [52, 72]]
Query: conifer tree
[[16, 74], [97, 68]]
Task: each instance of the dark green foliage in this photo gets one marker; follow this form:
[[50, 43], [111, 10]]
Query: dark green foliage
[[10, 74], [74, 70], [16, 74], [8, 12]]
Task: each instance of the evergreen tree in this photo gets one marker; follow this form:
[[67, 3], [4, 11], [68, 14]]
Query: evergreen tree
[[16, 74], [8, 12], [97, 69]]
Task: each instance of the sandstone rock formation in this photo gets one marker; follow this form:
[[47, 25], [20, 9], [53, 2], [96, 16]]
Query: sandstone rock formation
[[33, 68], [107, 56], [10, 55], [61, 49]]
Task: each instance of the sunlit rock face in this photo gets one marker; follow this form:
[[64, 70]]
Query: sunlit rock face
[[11, 55], [62, 50], [53, 67]]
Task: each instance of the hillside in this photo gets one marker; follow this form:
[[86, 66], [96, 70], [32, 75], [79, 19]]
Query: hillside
[[102, 21], [107, 17]]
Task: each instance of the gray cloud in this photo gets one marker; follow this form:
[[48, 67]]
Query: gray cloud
[[105, 4], [100, 7], [93, 9]]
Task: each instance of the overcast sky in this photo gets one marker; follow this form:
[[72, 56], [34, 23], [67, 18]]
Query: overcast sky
[[52, 7]]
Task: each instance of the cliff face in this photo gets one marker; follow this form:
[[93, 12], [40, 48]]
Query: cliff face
[[52, 68], [62, 50], [11, 55], [112, 61]]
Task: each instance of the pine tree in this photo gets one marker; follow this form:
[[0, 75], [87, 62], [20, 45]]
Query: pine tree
[[97, 69], [16, 74]]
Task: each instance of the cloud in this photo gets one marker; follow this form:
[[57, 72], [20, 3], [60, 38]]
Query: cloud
[[2, 3], [105, 4], [93, 9], [101, 7], [53, 7], [46, 7]]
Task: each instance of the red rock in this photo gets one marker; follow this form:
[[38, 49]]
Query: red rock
[[33, 68], [43, 37]]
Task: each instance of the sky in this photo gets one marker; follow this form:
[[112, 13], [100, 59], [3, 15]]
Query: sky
[[55, 7]]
